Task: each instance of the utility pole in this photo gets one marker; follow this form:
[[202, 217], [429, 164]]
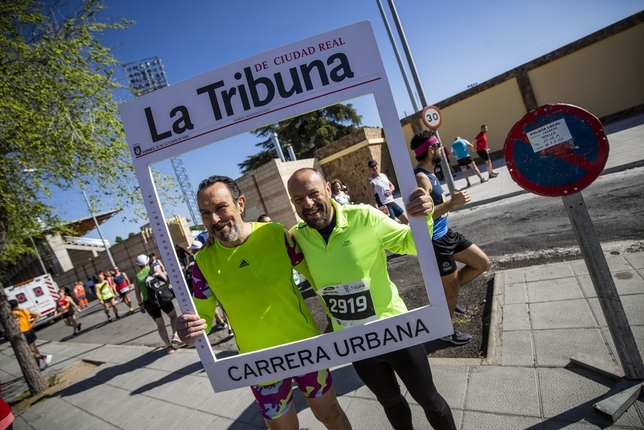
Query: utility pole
[[449, 179]]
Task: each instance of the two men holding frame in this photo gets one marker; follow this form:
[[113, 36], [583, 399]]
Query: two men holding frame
[[339, 65]]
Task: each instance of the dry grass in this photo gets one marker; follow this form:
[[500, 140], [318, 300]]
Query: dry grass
[[56, 382]]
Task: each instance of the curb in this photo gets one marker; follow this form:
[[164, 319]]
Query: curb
[[495, 336]]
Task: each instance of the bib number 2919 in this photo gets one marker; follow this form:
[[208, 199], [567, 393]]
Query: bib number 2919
[[349, 304]]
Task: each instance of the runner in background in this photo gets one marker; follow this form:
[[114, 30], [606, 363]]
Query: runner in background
[[106, 292], [65, 306], [123, 284]]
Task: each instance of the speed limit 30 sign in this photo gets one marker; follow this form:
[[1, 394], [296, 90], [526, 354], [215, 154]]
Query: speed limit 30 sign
[[432, 117]]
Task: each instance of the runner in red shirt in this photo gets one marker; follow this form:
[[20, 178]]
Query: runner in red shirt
[[484, 151]]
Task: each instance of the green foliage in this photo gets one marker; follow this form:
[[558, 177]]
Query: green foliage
[[306, 133], [59, 119]]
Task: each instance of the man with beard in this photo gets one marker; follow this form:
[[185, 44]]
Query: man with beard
[[449, 246], [353, 239], [248, 269]]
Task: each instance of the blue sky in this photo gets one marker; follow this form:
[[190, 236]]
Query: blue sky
[[454, 44]]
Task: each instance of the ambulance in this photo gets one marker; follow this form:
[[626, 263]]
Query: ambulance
[[39, 294]]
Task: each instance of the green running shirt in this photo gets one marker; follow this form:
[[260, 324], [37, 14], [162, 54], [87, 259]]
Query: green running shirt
[[254, 284], [357, 289]]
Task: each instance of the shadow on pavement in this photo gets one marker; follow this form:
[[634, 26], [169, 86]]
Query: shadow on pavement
[[171, 377], [106, 374]]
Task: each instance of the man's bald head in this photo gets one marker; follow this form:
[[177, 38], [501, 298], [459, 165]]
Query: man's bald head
[[311, 194]]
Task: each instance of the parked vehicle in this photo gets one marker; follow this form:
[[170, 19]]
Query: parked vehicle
[[39, 294]]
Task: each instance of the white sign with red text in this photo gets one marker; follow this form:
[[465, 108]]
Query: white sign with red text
[[285, 82]]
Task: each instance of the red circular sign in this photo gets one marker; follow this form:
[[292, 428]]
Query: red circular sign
[[432, 117], [556, 150]]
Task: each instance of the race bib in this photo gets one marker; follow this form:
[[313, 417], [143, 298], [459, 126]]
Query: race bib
[[349, 304]]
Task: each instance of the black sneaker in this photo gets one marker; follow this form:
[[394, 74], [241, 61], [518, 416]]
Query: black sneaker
[[483, 180], [468, 185], [457, 338], [493, 175]]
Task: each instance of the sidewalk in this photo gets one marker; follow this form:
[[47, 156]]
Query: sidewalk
[[542, 315]]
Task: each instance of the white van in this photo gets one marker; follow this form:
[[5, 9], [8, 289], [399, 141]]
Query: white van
[[39, 294]]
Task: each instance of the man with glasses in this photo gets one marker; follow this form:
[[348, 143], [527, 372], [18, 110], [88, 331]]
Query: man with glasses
[[380, 191], [449, 246]]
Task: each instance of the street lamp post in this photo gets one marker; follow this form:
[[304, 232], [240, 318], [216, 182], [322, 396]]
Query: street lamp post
[[98, 227]]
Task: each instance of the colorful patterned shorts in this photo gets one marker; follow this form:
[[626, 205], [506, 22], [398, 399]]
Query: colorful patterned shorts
[[276, 399]]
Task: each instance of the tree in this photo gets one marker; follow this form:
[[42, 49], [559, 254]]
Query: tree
[[59, 126], [305, 133]]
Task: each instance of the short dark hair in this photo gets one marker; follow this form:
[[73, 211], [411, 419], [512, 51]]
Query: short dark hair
[[13, 303], [483, 126], [420, 138], [235, 192], [261, 217], [372, 163]]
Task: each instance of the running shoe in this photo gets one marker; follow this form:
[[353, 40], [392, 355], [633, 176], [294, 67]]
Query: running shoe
[[169, 349], [457, 338], [109, 319], [41, 363], [78, 327], [493, 175], [483, 180], [230, 333], [118, 317], [468, 185]]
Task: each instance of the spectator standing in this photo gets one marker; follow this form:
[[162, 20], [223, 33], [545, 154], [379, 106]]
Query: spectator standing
[[449, 246], [91, 282], [463, 158], [26, 319], [338, 194], [381, 193], [484, 151], [79, 295]]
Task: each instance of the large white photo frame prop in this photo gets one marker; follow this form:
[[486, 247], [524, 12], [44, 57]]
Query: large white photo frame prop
[[332, 67]]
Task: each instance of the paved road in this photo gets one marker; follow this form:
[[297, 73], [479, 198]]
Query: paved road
[[535, 228]]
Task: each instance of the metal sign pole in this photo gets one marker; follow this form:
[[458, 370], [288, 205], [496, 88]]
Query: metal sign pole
[[607, 294]]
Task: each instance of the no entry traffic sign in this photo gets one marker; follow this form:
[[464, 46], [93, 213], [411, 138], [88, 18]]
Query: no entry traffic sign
[[556, 150]]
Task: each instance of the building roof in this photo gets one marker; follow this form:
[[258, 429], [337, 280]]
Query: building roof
[[85, 225]]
